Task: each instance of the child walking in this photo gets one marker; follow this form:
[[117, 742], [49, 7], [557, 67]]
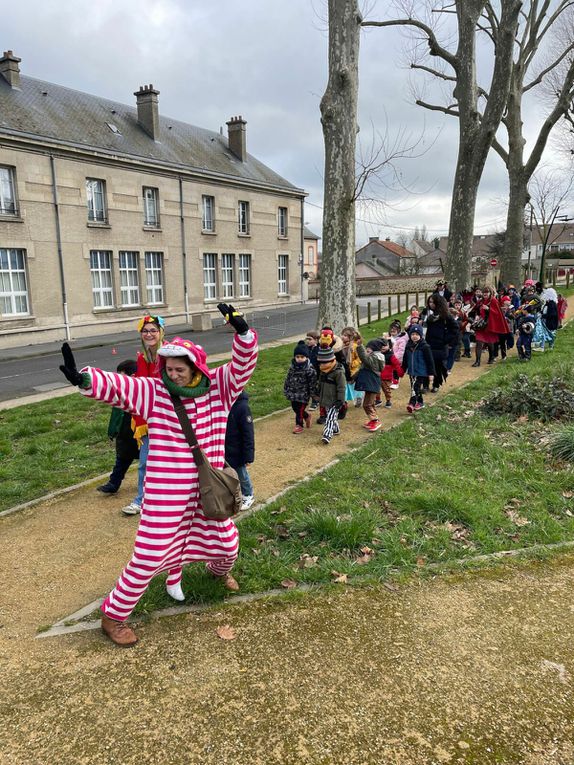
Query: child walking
[[332, 386], [240, 445], [353, 364], [399, 339], [418, 362], [299, 385], [312, 342], [120, 429], [369, 379], [392, 368]]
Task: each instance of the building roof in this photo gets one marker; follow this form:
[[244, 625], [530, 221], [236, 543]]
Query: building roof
[[308, 234], [481, 244], [424, 245], [560, 233], [48, 112], [396, 249]]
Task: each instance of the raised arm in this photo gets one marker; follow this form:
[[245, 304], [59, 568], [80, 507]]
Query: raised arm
[[233, 376]]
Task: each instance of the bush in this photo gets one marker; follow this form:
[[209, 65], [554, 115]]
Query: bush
[[533, 397], [562, 444]]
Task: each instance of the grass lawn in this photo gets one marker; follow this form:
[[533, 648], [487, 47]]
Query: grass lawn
[[60, 442], [445, 485]]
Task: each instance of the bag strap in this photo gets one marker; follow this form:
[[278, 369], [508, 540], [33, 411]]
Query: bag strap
[[188, 431]]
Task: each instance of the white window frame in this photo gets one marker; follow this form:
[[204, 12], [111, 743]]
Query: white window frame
[[207, 213], [129, 278], [243, 217], [282, 221], [227, 275], [311, 255], [209, 275], [151, 206], [8, 202], [283, 274], [244, 270], [96, 200], [154, 281], [102, 278], [14, 298]]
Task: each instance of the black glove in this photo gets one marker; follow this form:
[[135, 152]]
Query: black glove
[[234, 318], [68, 368]]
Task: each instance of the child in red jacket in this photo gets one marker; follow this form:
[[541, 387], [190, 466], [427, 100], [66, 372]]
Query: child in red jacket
[[393, 368]]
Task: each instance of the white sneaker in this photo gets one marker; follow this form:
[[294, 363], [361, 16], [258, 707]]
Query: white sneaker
[[358, 402], [131, 509], [174, 591], [247, 502], [394, 386]]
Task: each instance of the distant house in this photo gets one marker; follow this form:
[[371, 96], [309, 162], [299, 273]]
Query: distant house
[[382, 258], [560, 239], [481, 246], [311, 253], [429, 258]]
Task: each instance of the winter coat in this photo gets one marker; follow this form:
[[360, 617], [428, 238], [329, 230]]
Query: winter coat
[[392, 364], [550, 315], [300, 382], [441, 333], [399, 344], [332, 387], [418, 359], [313, 352], [372, 364], [120, 428], [352, 360], [240, 434]]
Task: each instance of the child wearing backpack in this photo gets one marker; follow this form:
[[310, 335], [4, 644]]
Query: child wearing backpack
[[369, 379], [392, 368]]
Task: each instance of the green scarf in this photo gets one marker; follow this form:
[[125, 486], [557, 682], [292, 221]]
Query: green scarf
[[186, 392]]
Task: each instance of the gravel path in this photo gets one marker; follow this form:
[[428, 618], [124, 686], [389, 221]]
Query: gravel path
[[475, 669]]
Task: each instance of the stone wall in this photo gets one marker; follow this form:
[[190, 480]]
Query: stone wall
[[390, 285]]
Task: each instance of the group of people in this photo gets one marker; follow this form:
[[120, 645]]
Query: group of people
[[331, 372]]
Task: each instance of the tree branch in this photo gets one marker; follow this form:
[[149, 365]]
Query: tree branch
[[434, 72], [450, 110], [501, 151], [537, 80], [435, 48]]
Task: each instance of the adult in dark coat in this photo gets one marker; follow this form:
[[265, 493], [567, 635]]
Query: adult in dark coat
[[442, 332], [240, 445]]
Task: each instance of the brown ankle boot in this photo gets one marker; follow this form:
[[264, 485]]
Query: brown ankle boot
[[118, 632]]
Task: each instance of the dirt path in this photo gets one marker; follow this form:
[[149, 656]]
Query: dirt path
[[441, 671]]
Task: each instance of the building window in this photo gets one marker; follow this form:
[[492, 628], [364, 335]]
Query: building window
[[101, 269], [151, 206], [154, 278], [227, 274], [243, 217], [208, 213], [13, 287], [282, 264], [245, 275], [209, 275], [7, 192], [282, 222], [129, 279], [96, 194], [311, 256]]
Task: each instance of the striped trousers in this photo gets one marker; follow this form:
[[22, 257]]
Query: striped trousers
[[331, 423]]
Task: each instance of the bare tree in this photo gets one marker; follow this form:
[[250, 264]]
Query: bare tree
[[476, 129], [538, 20], [339, 121], [550, 192]]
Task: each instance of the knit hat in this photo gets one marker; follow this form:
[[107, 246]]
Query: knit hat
[[386, 342], [415, 328], [325, 355], [180, 347], [301, 349], [506, 299], [375, 345]]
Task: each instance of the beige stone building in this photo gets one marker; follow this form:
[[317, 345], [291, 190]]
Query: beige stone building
[[108, 211]]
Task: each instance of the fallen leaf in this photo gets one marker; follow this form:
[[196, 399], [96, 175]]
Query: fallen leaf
[[339, 578], [226, 632], [255, 551], [308, 561], [522, 418], [276, 553], [516, 518], [302, 534], [366, 551], [362, 560], [421, 562], [568, 494], [390, 587], [288, 584]]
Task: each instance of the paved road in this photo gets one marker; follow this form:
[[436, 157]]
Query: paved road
[[34, 369]]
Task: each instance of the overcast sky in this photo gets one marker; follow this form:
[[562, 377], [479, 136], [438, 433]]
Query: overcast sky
[[265, 60]]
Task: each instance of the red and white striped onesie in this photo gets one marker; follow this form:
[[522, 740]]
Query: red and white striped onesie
[[172, 530]]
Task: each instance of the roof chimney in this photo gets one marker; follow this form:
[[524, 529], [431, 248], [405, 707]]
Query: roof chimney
[[148, 111], [236, 137], [373, 239], [10, 70]]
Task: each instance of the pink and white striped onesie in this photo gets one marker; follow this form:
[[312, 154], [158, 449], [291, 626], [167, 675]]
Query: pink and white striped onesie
[[172, 530]]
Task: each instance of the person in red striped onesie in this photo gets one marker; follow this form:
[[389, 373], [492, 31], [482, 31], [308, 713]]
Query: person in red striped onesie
[[172, 531]]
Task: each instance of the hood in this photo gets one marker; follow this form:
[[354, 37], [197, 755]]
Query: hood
[[181, 347]]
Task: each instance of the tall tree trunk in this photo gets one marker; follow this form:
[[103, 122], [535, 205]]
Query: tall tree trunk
[[339, 121], [461, 224]]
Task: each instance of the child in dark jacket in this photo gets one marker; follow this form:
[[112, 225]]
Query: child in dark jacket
[[312, 342], [418, 362], [299, 386], [525, 324], [120, 429], [240, 445], [369, 379], [392, 370], [332, 387]]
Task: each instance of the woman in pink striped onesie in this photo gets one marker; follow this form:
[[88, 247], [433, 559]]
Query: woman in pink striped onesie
[[172, 530]]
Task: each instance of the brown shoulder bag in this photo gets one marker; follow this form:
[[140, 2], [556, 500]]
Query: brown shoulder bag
[[220, 490]]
